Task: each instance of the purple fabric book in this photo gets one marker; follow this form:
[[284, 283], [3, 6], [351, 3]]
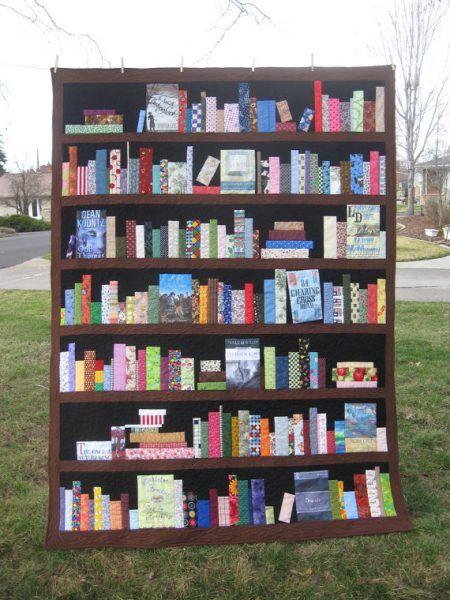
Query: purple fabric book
[[322, 373], [71, 349], [119, 367], [62, 508], [258, 502], [164, 372]]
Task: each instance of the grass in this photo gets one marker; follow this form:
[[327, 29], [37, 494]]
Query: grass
[[401, 566], [402, 210], [413, 249]]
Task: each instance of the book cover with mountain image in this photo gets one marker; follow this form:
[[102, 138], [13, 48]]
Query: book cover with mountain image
[[91, 233], [175, 298], [242, 363], [360, 427], [363, 231]]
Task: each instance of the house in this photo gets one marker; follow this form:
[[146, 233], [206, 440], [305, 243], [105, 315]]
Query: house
[[435, 176], [35, 185]]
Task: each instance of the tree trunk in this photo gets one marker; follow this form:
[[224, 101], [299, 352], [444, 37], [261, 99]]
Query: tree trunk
[[411, 190]]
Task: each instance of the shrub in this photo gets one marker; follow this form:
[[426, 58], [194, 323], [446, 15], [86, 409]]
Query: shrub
[[22, 223]]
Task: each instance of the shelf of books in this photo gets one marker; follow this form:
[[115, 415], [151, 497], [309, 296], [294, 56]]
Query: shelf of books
[[223, 262]]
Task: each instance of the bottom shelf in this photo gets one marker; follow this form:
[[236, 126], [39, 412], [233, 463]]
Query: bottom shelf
[[293, 532]]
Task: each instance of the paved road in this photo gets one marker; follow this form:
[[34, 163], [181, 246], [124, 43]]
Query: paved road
[[424, 280], [32, 274], [16, 249]]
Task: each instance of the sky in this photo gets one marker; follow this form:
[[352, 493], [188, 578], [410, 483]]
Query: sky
[[152, 34]]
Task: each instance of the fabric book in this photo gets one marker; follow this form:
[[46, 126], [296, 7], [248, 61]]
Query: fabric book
[[312, 496], [360, 427], [305, 295], [175, 298], [237, 172], [363, 231], [91, 233], [162, 108], [242, 363], [156, 503]]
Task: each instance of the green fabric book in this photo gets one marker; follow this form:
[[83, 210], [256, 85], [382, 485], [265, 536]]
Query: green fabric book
[[98, 387], [96, 313], [213, 238], [205, 439], [347, 300], [269, 368], [243, 502], [334, 498], [152, 365], [182, 244], [156, 243], [387, 495], [121, 247], [226, 434], [77, 314], [153, 304], [212, 385]]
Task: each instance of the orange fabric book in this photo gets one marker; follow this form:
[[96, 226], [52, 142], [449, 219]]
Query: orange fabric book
[[84, 512], [73, 166], [265, 437], [115, 509]]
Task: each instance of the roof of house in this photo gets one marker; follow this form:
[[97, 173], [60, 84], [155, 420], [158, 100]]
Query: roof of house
[[442, 161], [46, 182]]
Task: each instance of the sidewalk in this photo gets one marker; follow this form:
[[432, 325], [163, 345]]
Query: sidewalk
[[33, 274], [424, 280]]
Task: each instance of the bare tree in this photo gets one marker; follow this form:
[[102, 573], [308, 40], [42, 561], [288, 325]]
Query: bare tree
[[25, 187], [437, 202], [408, 37]]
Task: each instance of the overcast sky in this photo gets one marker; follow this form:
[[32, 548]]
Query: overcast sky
[[156, 34]]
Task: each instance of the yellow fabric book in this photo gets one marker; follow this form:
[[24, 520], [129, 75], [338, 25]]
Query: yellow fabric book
[[98, 522], [203, 317], [79, 375], [381, 301]]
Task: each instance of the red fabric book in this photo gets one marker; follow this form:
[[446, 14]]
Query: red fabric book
[[362, 500], [322, 373], [142, 374], [249, 304], [86, 285], [286, 126], [206, 189], [73, 170], [84, 512], [145, 170], [182, 106], [291, 234], [306, 441], [372, 303], [374, 157], [125, 505], [130, 239], [369, 115], [331, 448], [214, 508], [318, 106], [214, 434], [164, 371]]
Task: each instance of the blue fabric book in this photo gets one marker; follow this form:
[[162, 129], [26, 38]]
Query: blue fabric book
[[326, 176], [134, 518], [91, 515], [69, 307], [248, 238], [188, 120], [290, 244], [175, 298], [351, 508], [244, 106], [106, 516], [203, 514], [91, 233], [107, 378], [281, 436], [141, 121], [360, 420], [227, 312], [295, 172], [62, 508], [339, 437], [282, 372], [266, 115], [100, 171], [258, 501], [356, 173], [312, 496], [314, 370], [313, 441], [307, 171], [305, 295], [156, 179], [269, 301], [328, 315]]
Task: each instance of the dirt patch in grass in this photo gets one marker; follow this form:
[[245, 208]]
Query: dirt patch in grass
[[414, 228]]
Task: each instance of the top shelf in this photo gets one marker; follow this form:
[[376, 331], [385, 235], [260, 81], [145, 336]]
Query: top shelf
[[254, 137]]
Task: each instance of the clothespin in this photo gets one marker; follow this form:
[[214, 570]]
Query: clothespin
[[312, 61], [253, 65], [181, 64], [392, 63], [55, 68], [122, 67]]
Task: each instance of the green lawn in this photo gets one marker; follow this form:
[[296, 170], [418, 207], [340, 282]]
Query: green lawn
[[402, 209], [413, 249], [397, 566]]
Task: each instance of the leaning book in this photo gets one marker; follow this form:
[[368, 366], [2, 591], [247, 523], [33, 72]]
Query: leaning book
[[91, 233], [242, 363], [162, 107], [305, 295]]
